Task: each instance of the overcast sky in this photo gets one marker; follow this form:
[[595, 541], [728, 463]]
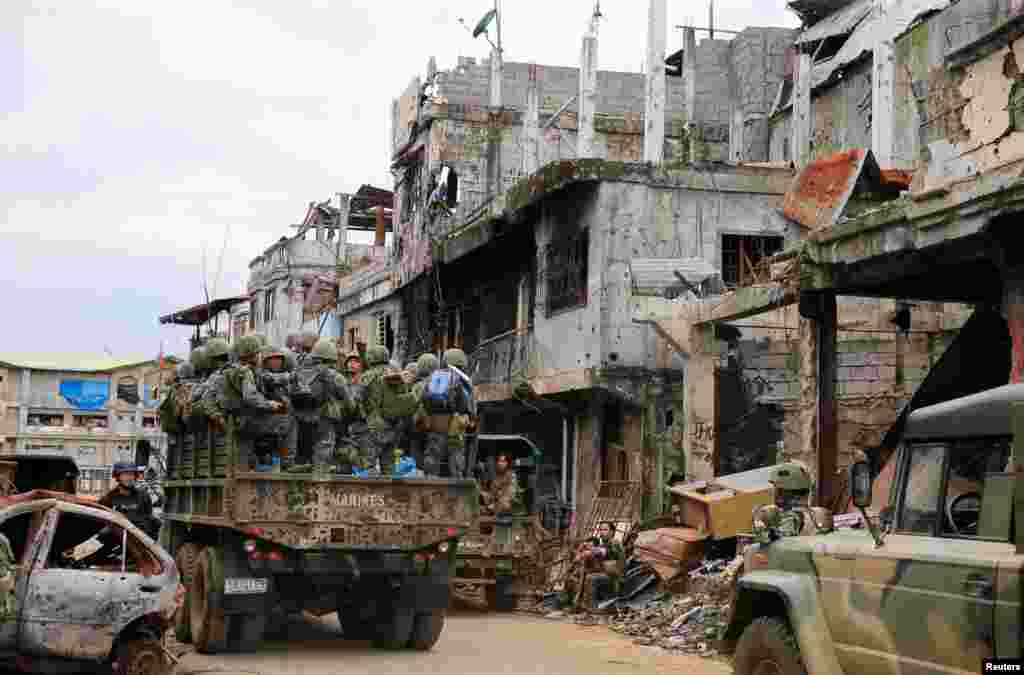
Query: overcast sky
[[138, 135]]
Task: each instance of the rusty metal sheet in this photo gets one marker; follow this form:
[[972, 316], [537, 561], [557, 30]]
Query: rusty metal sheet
[[667, 549], [839, 22], [824, 187]]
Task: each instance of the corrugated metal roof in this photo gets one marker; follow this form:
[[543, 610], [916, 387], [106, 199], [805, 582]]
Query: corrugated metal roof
[[78, 363], [838, 23], [822, 190], [657, 274], [200, 314]]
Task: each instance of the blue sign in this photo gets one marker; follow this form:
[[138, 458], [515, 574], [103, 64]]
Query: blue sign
[[85, 394]]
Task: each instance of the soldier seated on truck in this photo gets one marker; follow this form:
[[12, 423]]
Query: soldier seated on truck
[[502, 494]]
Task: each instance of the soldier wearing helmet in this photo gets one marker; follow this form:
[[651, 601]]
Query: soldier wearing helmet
[[352, 366], [306, 341], [789, 516], [170, 417], [246, 408], [321, 403], [131, 502], [450, 406], [274, 379], [207, 404], [425, 365], [387, 403]]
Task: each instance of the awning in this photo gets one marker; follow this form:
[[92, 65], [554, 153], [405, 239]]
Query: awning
[[200, 314], [839, 23]]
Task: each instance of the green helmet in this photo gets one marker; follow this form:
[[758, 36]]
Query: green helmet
[[197, 358], [377, 355], [426, 364], [411, 367], [290, 361], [184, 371], [325, 349], [216, 348], [457, 358], [790, 477], [247, 345], [264, 342]]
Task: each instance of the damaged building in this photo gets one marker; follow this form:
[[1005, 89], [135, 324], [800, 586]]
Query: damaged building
[[936, 255]]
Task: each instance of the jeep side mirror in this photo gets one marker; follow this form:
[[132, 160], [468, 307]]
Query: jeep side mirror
[[860, 484], [860, 492]]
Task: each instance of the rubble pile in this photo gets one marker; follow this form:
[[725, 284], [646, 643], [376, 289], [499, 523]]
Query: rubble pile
[[693, 622]]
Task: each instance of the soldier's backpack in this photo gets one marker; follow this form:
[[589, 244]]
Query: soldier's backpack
[[307, 391], [445, 393]]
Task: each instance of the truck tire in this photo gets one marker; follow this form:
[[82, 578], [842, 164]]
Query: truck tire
[[185, 559], [768, 647], [394, 630], [353, 626], [246, 632], [208, 624], [499, 596], [426, 630], [141, 657]]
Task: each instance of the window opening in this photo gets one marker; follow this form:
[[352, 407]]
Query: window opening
[[830, 46], [128, 389], [623, 466], [99, 546], [567, 272], [742, 257]]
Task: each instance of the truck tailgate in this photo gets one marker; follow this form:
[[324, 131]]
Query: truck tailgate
[[354, 513]]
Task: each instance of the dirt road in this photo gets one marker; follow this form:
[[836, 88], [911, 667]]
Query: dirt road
[[472, 644]]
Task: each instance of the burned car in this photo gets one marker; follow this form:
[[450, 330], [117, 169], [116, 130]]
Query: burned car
[[91, 591]]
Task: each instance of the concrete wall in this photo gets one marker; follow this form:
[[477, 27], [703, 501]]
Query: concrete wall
[[364, 319]]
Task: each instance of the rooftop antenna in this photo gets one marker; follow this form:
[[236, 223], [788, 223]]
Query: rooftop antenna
[[595, 17], [483, 24], [711, 19]]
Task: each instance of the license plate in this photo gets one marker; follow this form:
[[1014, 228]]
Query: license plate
[[244, 586]]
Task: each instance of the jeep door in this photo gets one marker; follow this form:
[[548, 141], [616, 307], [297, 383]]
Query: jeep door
[[931, 583]]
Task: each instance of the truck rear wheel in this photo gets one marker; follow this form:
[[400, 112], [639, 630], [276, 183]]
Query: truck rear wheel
[[499, 596], [395, 630], [185, 559], [245, 632], [208, 624], [768, 647], [426, 629]]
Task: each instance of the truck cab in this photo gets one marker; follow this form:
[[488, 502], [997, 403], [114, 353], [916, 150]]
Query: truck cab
[[937, 591]]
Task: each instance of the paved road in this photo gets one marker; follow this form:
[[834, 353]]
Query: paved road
[[472, 644]]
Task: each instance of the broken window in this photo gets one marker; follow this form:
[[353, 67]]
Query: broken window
[[128, 389], [623, 469], [89, 421], [742, 257], [99, 546], [268, 304], [44, 420], [614, 424], [385, 332], [829, 47], [567, 272], [411, 191]]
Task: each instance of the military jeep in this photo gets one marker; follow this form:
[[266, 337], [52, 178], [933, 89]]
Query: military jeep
[[937, 592]]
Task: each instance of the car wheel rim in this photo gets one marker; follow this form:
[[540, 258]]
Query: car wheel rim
[[145, 663], [767, 668]]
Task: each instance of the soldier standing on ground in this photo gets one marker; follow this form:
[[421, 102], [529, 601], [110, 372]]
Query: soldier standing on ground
[[388, 401], [244, 405]]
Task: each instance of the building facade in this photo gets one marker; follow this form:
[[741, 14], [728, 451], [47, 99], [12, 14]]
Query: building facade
[[97, 411]]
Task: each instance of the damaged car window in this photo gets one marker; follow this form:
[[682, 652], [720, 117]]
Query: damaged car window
[[83, 542]]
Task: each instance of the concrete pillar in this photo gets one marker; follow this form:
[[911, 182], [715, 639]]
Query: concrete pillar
[[531, 124], [587, 103], [818, 445], [736, 135], [882, 94], [690, 82], [654, 109], [701, 402], [802, 121], [495, 78]]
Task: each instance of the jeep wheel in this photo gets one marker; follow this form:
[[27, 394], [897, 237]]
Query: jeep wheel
[[209, 628], [767, 647], [141, 657], [395, 630]]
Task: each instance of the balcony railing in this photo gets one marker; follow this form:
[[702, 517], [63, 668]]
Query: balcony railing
[[497, 359]]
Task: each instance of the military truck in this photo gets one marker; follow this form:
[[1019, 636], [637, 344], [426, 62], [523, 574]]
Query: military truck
[[379, 551], [504, 556], [936, 590]]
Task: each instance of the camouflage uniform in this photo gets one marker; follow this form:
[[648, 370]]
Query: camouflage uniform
[[248, 410], [170, 416], [450, 446], [8, 571], [208, 402], [329, 406], [503, 494], [788, 517], [386, 404], [426, 364], [276, 386]]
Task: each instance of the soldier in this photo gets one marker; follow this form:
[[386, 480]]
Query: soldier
[[387, 401], [170, 416], [426, 364], [600, 558], [246, 408], [131, 502], [307, 341], [353, 367], [789, 516], [450, 405], [502, 494], [274, 382], [8, 570], [321, 401], [208, 401]]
